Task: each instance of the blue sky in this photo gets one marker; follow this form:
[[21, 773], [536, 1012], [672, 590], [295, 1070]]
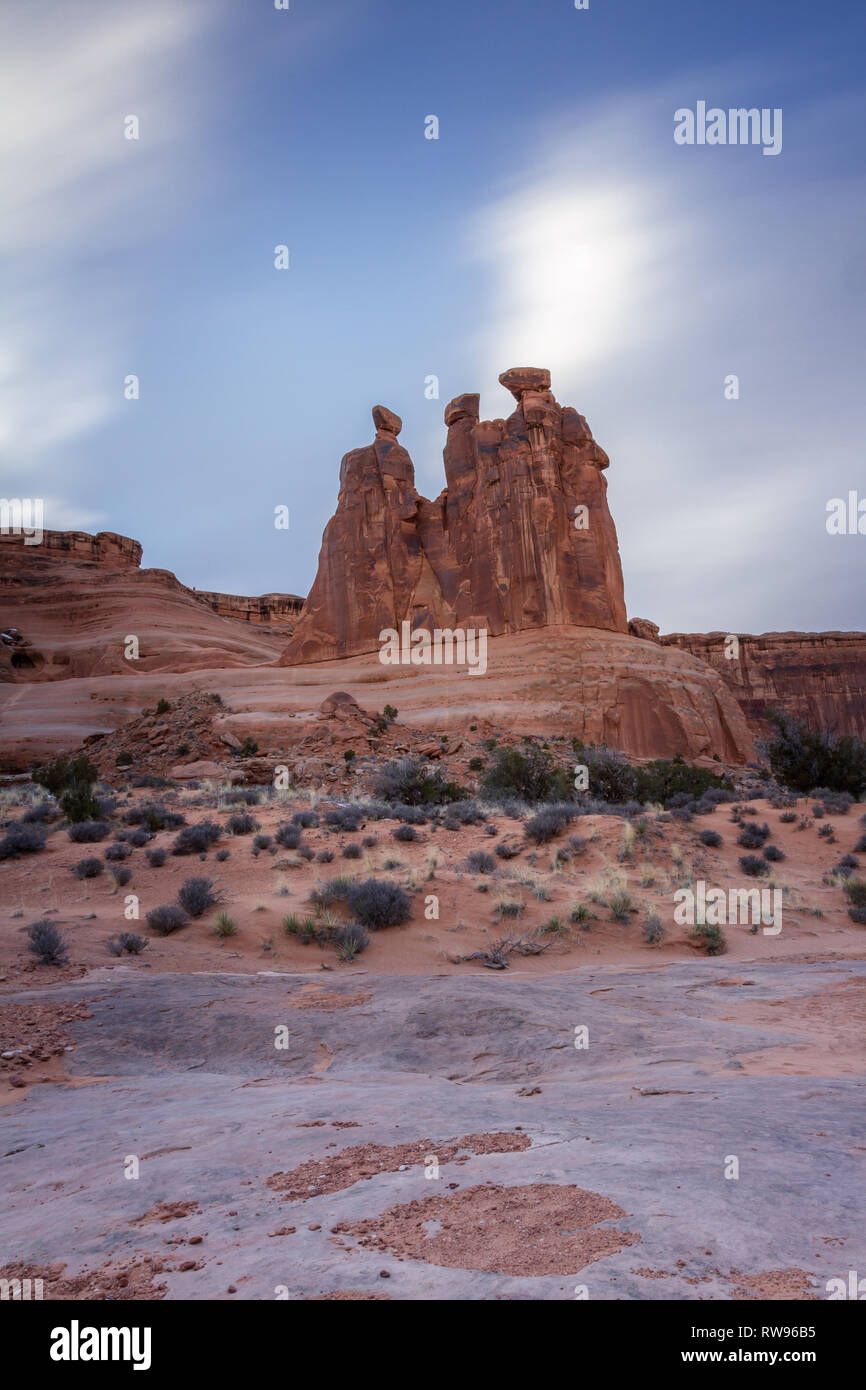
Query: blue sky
[[553, 223]]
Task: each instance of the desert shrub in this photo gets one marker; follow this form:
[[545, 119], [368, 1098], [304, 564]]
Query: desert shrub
[[710, 937], [773, 854], [138, 838], [154, 816], [611, 778], [21, 838], [325, 856], [63, 772], [858, 915], [352, 851], [370, 841], [752, 866], [306, 853], [225, 926], [548, 823], [351, 940], [652, 931], [261, 842], [711, 838], [240, 823], [788, 817], [156, 858], [88, 832], [477, 764], [410, 815], [308, 820], [348, 818], [753, 836], [834, 803], [79, 804], [125, 758], [507, 906], [668, 777], [580, 915], [116, 851], [860, 847], [197, 839], [478, 861], [167, 919], [415, 783], [530, 776], [846, 866], [120, 874], [855, 892], [803, 758], [405, 833], [288, 836], [162, 706], [222, 855], [197, 896], [88, 868], [336, 890], [377, 903], [243, 796], [126, 943], [620, 904], [507, 849], [826, 832], [466, 812], [47, 943], [40, 814], [150, 779]]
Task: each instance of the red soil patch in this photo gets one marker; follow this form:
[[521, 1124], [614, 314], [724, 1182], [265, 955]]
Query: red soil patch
[[121, 1281], [773, 1285], [166, 1211], [334, 1173], [327, 1000], [538, 1229]]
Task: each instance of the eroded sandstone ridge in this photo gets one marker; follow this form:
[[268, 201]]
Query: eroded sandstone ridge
[[521, 537], [75, 599]]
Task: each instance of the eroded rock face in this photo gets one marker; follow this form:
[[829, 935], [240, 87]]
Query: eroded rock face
[[818, 677], [76, 598], [520, 538]]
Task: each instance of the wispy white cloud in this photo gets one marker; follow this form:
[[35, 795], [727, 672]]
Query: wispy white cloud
[[80, 196], [642, 274]]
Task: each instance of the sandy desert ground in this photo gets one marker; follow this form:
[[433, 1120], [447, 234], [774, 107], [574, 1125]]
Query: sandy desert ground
[[409, 1126]]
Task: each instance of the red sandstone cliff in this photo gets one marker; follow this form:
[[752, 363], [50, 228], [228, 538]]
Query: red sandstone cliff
[[818, 677], [498, 549], [76, 599]]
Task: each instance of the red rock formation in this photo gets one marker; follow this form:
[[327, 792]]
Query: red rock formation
[[506, 546], [819, 677], [76, 598], [279, 612]]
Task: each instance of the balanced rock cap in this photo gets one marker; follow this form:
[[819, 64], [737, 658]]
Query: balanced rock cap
[[464, 407], [385, 419], [520, 379]]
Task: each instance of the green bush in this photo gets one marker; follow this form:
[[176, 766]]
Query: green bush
[[63, 772], [415, 783], [79, 804], [530, 776], [803, 758]]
